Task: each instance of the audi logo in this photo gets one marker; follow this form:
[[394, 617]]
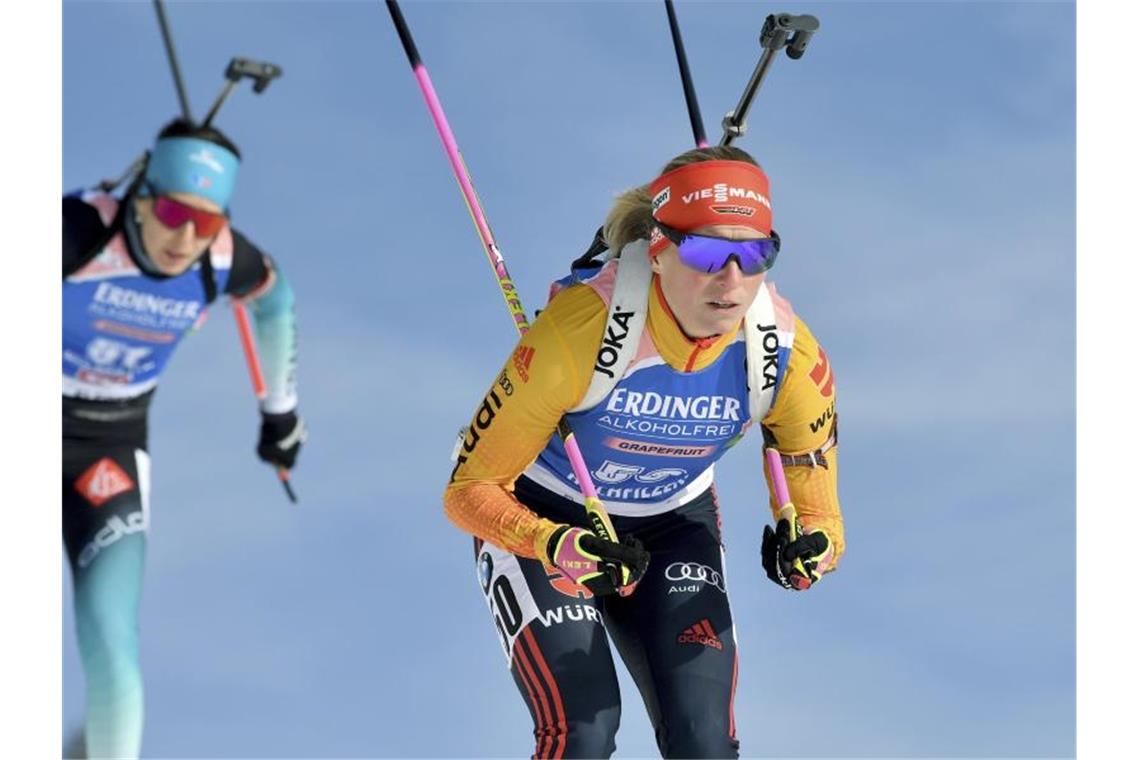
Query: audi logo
[[694, 571]]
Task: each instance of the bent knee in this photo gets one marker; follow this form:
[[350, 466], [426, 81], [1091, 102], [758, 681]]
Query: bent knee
[[694, 738], [580, 738]]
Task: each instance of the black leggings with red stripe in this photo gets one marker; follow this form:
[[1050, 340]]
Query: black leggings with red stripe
[[674, 634]]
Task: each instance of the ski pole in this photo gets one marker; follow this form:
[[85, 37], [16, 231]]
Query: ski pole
[[249, 348], [168, 41], [238, 68], [263, 73], [595, 510], [775, 463], [783, 30], [686, 79], [773, 36], [786, 510]]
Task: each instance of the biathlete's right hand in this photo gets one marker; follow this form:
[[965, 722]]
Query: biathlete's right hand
[[602, 566], [790, 556]]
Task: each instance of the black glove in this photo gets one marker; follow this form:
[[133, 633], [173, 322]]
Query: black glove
[[281, 438], [602, 566], [793, 560]]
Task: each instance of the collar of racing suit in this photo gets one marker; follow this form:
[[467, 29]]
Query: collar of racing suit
[[681, 352]]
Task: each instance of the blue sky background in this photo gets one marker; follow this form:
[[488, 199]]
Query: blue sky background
[[922, 165]]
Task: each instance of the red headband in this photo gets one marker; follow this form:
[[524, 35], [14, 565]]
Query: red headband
[[710, 192]]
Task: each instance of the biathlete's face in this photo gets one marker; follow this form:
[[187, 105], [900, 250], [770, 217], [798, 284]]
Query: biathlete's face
[[708, 304], [177, 228]]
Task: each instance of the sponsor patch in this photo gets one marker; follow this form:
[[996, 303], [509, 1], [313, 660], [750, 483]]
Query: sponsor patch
[[148, 303], [617, 330], [701, 633], [95, 377], [506, 384], [660, 199], [200, 181], [569, 613], [116, 529], [821, 375], [483, 419], [204, 156], [103, 481], [522, 361], [736, 210], [486, 567], [771, 344], [823, 419], [657, 450], [619, 472], [695, 573], [721, 192], [117, 328], [664, 406], [564, 585]]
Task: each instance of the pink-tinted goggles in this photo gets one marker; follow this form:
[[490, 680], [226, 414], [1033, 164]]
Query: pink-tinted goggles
[[173, 214]]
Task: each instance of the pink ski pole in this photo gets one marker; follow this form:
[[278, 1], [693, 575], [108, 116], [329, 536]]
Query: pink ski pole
[[596, 511]]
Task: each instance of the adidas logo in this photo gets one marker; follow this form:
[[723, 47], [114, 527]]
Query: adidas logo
[[522, 361], [701, 633], [103, 481]]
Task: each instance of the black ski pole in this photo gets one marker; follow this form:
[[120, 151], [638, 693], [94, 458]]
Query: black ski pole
[[686, 79], [173, 58], [263, 74], [783, 30], [139, 163]]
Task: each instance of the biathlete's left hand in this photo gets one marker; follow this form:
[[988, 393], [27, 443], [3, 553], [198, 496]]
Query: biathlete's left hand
[[281, 438], [790, 557]]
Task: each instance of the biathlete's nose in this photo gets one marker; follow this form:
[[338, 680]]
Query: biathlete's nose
[[187, 232], [731, 273]]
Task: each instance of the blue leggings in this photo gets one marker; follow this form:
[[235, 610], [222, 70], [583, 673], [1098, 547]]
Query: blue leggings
[[104, 526]]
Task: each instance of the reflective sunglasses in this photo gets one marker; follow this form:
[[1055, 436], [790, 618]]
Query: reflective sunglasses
[[173, 214], [708, 254]]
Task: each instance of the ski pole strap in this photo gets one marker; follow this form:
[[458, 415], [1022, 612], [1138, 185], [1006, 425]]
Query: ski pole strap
[[812, 458]]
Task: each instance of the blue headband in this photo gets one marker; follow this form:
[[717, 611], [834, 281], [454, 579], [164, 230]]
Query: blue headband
[[191, 165]]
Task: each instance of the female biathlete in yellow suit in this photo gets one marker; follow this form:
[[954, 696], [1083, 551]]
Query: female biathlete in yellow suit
[[650, 444]]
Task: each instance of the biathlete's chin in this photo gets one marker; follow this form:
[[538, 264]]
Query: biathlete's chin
[[173, 262]]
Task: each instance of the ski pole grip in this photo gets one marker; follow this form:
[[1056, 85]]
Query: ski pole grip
[[779, 482]]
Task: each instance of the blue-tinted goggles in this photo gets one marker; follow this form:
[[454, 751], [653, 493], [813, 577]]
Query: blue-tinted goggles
[[709, 254]]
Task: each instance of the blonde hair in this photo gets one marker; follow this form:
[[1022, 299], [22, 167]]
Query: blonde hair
[[631, 218]]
